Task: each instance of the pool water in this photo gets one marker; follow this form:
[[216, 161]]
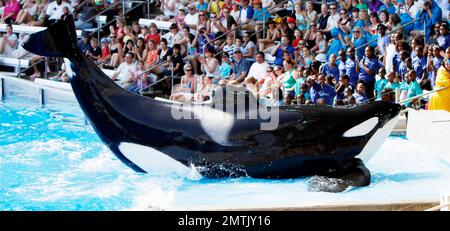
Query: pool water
[[51, 160]]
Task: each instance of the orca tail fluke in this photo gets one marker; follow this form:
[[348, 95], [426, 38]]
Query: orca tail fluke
[[58, 40]]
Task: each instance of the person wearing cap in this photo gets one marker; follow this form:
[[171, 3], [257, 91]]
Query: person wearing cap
[[224, 68], [105, 52], [240, 67], [84, 43]]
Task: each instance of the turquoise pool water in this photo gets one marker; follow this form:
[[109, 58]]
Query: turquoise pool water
[[51, 160]]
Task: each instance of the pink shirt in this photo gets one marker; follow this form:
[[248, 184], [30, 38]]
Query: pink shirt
[[11, 6]]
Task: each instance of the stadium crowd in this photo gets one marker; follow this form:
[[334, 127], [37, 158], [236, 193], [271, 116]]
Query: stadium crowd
[[340, 52]]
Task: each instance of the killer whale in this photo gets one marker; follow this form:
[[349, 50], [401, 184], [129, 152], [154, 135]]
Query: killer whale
[[309, 140]]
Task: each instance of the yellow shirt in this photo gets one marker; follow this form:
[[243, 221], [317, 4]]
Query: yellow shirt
[[441, 100], [215, 7]]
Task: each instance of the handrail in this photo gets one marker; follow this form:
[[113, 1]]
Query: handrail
[[438, 207], [421, 95], [389, 33], [115, 19], [101, 12]]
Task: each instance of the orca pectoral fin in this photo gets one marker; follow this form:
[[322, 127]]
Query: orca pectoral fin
[[356, 175]]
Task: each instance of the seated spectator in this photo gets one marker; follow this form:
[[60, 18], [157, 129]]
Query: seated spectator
[[116, 51], [86, 12], [123, 72], [224, 68], [29, 11], [241, 66], [250, 84], [258, 68], [140, 77], [185, 91], [56, 10], [278, 52], [106, 53], [94, 52], [152, 54], [8, 42], [12, 8], [205, 90]]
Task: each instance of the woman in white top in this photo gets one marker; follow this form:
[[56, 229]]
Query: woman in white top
[[210, 65], [168, 7], [8, 42], [27, 13]]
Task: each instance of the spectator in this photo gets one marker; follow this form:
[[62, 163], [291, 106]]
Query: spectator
[[123, 72], [322, 90], [241, 66], [10, 12], [360, 93], [258, 68], [94, 52], [330, 68], [278, 52], [29, 11], [441, 99], [224, 68], [367, 69], [55, 10], [87, 12], [8, 41]]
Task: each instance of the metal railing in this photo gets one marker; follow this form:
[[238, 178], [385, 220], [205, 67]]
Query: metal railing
[[101, 12], [115, 19]]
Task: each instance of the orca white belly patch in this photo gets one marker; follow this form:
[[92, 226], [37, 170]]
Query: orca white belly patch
[[152, 160]]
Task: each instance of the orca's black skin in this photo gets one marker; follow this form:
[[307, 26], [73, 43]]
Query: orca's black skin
[[308, 141]]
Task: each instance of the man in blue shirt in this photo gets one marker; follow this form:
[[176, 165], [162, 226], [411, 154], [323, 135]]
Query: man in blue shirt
[[330, 68], [368, 67], [278, 52], [241, 66], [322, 90], [419, 62], [350, 67]]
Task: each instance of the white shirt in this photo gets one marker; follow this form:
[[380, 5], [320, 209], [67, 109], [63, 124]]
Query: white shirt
[[243, 17], [124, 70], [333, 20], [55, 11], [191, 19], [258, 70], [170, 37]]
